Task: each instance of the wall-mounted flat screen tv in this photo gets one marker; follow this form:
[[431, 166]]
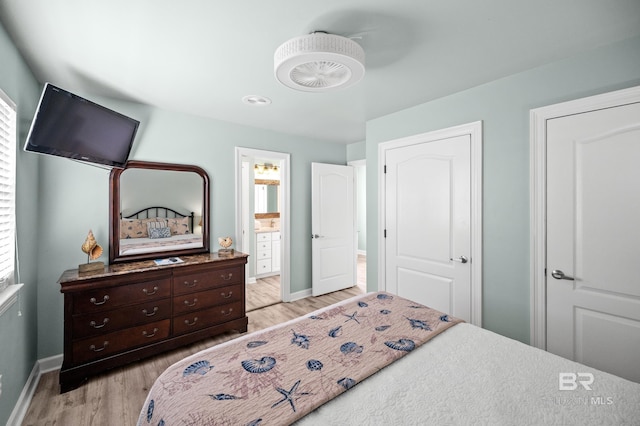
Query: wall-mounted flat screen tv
[[70, 126]]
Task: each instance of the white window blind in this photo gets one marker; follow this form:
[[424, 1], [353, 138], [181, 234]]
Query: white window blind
[[7, 189]]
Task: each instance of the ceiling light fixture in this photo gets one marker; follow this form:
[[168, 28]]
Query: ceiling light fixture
[[256, 100], [319, 62]]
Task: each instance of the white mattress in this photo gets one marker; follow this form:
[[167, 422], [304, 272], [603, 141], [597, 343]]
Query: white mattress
[[468, 375]]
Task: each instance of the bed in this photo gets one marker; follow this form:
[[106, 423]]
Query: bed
[[155, 229], [382, 359]]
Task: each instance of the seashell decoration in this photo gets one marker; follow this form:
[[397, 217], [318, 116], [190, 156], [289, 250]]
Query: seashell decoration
[[223, 397], [347, 382], [200, 367], [225, 243], [261, 365], [94, 251], [351, 348], [314, 365], [91, 247], [150, 410], [406, 345]]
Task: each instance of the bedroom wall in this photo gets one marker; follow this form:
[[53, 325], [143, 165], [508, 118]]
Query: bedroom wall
[[18, 343], [503, 106], [74, 197]]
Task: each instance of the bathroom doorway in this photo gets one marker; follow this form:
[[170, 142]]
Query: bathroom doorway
[[262, 222], [361, 218]]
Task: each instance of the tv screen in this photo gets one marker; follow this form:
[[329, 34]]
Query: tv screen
[[69, 126]]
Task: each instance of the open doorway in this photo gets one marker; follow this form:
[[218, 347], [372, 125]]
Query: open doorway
[[361, 218], [262, 224]]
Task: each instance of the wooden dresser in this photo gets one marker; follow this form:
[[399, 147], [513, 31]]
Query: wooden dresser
[[134, 310]]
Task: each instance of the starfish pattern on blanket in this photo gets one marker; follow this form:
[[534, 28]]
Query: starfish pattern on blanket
[[352, 317], [288, 395]]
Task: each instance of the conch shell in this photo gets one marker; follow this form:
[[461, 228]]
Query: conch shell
[[225, 242], [91, 247]]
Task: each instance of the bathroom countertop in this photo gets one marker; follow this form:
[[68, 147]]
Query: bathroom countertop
[[261, 230]]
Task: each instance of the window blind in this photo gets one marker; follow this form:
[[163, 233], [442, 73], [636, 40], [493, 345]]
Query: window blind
[[7, 189]]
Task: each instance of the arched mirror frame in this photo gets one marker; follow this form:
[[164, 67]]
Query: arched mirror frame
[[115, 209]]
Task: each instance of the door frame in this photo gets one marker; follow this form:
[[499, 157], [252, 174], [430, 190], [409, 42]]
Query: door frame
[[538, 201], [285, 210], [474, 130]]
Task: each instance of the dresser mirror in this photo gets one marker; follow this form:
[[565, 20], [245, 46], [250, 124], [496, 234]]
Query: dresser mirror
[[157, 210]]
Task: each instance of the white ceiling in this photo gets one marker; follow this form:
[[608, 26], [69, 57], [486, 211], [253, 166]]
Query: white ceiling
[[202, 56]]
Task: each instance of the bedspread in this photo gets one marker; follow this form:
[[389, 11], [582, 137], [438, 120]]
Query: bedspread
[[278, 375]]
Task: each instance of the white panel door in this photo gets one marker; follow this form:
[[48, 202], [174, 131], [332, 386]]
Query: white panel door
[[428, 240], [593, 231], [333, 225]]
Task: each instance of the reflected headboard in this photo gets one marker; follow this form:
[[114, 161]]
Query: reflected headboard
[[162, 212]]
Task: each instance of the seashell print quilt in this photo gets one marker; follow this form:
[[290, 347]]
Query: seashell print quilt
[[278, 375]]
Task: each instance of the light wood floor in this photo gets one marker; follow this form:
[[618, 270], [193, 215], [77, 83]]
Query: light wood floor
[[266, 291], [115, 398]]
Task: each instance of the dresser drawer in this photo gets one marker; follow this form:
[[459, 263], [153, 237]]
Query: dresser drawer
[[205, 299], [207, 317], [189, 283], [93, 324], [110, 297], [111, 343]]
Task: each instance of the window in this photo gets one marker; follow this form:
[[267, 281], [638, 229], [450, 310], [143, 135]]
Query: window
[[7, 189]]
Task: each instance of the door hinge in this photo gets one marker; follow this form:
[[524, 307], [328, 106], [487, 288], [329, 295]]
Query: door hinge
[[385, 233], [385, 168]]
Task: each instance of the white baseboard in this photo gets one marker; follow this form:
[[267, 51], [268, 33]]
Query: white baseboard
[[300, 295], [50, 364], [41, 366]]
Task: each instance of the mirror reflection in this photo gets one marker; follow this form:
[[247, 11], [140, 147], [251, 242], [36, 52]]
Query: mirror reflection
[[158, 211], [267, 196]]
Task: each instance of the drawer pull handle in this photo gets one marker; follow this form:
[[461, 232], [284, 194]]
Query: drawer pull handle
[[229, 276], [191, 284], [104, 346], [95, 325], [195, 320], [150, 293], [225, 313], [195, 300], [155, 310], [155, 330], [95, 302], [227, 296]]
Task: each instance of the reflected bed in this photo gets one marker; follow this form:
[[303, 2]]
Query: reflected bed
[[154, 229]]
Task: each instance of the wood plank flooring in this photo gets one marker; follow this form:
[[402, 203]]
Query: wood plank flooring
[[116, 397]]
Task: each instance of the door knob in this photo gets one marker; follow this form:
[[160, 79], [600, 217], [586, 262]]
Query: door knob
[[559, 275], [315, 236], [461, 259]]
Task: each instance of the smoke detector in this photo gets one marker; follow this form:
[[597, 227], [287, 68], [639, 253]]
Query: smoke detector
[[319, 62]]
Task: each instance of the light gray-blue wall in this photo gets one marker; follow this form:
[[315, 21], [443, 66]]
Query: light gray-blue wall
[[503, 106], [58, 200], [74, 197], [18, 342]]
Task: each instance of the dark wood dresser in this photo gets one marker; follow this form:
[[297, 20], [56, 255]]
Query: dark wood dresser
[[134, 310]]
